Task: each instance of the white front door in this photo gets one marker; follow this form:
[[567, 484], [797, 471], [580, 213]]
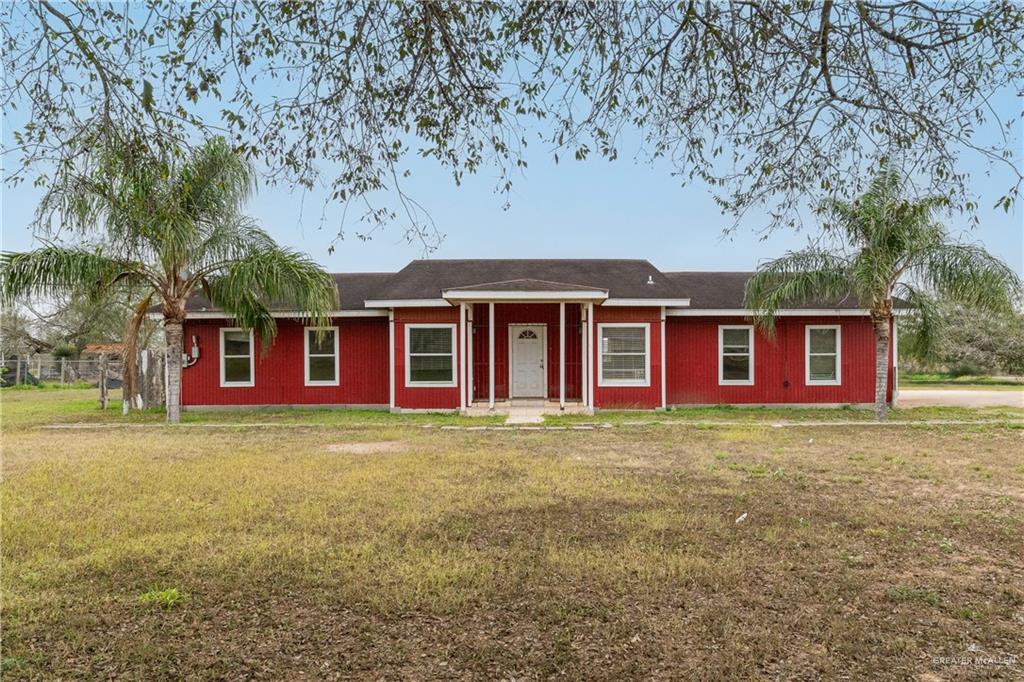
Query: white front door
[[527, 350]]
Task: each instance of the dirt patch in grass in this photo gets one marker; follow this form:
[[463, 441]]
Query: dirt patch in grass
[[373, 448]]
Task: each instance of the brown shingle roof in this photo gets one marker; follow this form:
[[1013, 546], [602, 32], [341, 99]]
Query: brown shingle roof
[[353, 289], [621, 278], [724, 291]]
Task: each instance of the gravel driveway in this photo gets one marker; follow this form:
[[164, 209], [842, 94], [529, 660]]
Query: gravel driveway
[[952, 397]]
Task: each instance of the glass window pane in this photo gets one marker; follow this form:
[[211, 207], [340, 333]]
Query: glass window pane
[[823, 340], [736, 368], [236, 343], [624, 339], [430, 340], [823, 368], [624, 367], [322, 342], [321, 368], [430, 368], [735, 340], [236, 370]]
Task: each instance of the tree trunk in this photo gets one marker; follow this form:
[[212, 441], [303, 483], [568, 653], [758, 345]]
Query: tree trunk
[[881, 325], [172, 332]]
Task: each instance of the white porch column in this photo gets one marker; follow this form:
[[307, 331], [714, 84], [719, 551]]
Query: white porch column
[[584, 388], [895, 362], [664, 390], [490, 355], [462, 357], [590, 355], [391, 359], [561, 355], [469, 354]]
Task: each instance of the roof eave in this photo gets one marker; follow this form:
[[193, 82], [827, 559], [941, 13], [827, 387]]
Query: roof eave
[[667, 302], [519, 296]]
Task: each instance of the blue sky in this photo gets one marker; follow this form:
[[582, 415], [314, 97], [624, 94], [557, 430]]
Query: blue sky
[[593, 209]]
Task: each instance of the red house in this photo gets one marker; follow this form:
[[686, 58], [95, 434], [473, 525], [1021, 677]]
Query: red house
[[471, 335]]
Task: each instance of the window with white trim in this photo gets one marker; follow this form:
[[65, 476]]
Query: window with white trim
[[823, 345], [430, 355], [236, 358], [321, 345], [736, 355], [625, 354]]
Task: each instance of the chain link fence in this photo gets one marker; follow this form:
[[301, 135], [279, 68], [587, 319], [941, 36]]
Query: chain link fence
[[102, 372]]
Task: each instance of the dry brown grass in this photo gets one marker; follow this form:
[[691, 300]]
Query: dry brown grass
[[868, 553]]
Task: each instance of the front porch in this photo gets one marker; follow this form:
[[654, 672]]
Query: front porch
[[525, 346]]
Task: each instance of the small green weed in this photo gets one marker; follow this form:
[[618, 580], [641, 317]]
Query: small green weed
[[901, 593], [167, 598]]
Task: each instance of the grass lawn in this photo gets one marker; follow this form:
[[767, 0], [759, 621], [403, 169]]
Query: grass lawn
[[360, 545]]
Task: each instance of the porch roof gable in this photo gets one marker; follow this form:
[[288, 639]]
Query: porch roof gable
[[525, 289]]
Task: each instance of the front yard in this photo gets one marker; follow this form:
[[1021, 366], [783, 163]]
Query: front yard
[[338, 545]]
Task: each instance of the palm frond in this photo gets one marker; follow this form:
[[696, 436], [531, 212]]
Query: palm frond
[[232, 238], [799, 277], [968, 274], [273, 277], [215, 180], [926, 321], [56, 270]]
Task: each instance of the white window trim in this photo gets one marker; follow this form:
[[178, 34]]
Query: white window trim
[[252, 364], [838, 381], [601, 381], [409, 383], [722, 381], [306, 356]]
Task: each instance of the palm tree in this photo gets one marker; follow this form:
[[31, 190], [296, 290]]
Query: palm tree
[[885, 248], [171, 226]]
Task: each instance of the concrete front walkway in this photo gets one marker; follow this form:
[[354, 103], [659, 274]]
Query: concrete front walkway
[[525, 410], [953, 397]]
